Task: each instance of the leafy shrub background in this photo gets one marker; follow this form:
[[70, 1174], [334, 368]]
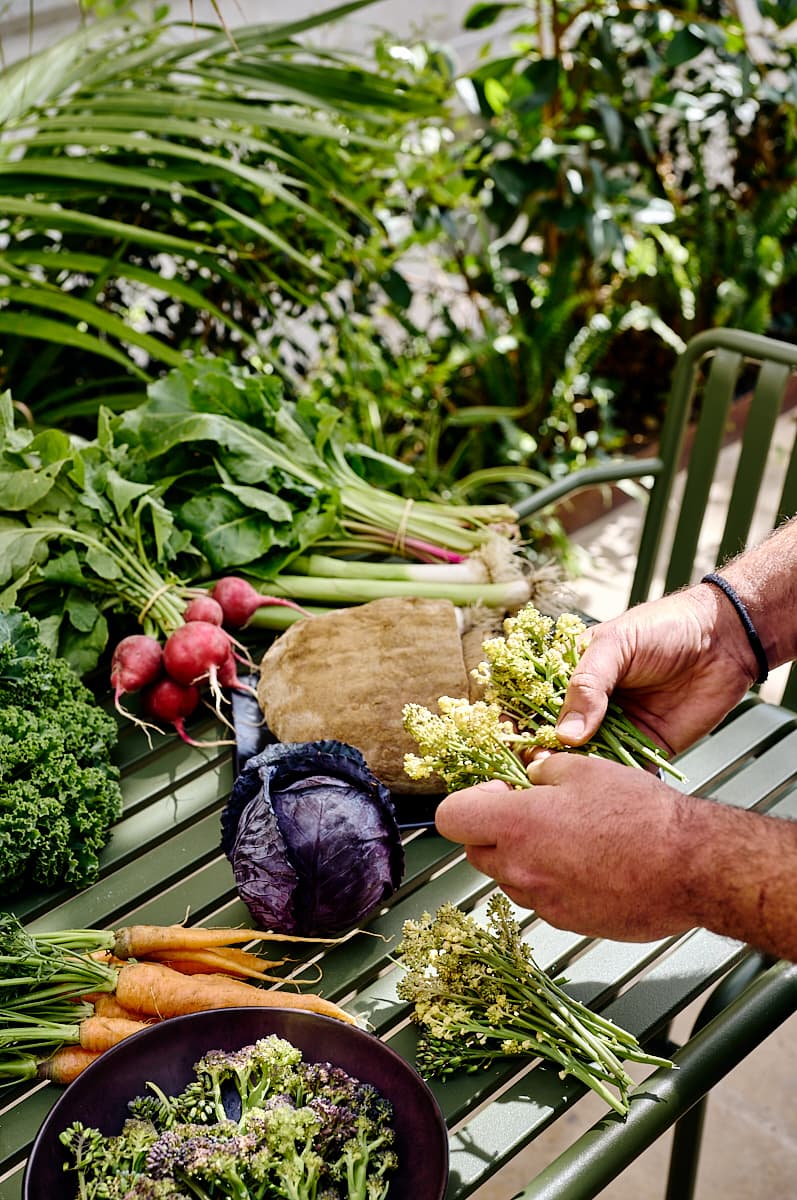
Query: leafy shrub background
[[633, 181], [490, 274], [165, 191]]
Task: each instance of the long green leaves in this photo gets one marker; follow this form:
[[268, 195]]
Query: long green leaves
[[181, 188]]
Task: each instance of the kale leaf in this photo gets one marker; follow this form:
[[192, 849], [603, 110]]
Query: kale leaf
[[59, 790]]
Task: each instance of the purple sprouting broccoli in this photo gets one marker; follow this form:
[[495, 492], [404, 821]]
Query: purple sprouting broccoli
[[267, 1068], [301, 1131], [146, 1188], [356, 1130], [94, 1154]]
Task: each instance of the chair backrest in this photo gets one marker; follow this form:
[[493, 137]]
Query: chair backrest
[[720, 370], [728, 386], [724, 380]]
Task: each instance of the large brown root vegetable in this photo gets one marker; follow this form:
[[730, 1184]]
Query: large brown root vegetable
[[347, 675]]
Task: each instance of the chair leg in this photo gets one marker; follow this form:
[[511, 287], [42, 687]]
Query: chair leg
[[685, 1153], [688, 1131]]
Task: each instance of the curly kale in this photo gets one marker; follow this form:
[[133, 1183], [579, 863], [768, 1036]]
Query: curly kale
[[300, 1130], [59, 791]]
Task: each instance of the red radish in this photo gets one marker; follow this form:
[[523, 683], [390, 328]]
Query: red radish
[[195, 651], [136, 662], [228, 677], [204, 608], [240, 601], [171, 703]]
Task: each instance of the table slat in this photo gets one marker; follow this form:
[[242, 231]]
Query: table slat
[[164, 861]]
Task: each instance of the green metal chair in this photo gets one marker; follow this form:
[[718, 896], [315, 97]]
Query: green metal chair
[[712, 371]]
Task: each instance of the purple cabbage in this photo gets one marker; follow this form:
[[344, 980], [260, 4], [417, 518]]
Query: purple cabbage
[[312, 837]]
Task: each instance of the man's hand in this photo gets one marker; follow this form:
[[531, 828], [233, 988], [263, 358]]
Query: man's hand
[[610, 851], [593, 846], [675, 666]]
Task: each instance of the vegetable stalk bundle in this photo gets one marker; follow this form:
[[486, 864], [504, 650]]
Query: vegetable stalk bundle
[[480, 996], [216, 471]]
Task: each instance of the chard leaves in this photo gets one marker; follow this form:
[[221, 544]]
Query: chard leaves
[[78, 536], [235, 527], [254, 486]]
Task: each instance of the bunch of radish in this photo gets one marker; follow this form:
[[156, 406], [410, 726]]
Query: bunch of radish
[[199, 654]]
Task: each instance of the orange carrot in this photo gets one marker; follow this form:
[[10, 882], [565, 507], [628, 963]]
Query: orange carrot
[[158, 991], [105, 956], [106, 1005], [65, 1064], [140, 941], [211, 962], [91, 997], [100, 1033], [207, 963], [242, 958]]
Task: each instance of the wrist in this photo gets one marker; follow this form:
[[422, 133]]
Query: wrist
[[765, 579], [725, 637], [745, 620]]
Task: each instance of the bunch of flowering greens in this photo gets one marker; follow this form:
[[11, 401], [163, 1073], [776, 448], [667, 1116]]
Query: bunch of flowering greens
[[523, 678], [463, 743], [479, 995], [254, 1123]]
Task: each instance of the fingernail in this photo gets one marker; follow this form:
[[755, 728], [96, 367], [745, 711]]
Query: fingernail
[[571, 727], [532, 767]]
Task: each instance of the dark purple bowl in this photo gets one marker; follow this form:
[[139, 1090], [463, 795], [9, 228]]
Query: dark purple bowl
[[165, 1054]]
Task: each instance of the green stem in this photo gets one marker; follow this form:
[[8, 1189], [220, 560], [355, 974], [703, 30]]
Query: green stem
[[328, 566], [17, 1068], [358, 591], [136, 584], [43, 1034], [76, 939]]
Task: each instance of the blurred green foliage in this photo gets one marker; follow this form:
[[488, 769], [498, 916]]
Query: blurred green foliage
[[489, 271]]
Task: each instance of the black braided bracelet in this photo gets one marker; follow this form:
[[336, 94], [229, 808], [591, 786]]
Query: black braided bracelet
[[744, 617]]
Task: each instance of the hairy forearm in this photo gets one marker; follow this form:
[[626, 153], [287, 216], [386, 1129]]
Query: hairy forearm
[[741, 876]]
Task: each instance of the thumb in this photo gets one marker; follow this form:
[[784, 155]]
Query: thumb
[[488, 787], [585, 703]]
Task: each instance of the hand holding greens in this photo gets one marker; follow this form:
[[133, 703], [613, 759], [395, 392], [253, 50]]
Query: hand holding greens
[[479, 995], [524, 678]]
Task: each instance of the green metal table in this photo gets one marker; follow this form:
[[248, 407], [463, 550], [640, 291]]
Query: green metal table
[[164, 861]]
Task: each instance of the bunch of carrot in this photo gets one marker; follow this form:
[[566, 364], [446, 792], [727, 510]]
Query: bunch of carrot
[[68, 996]]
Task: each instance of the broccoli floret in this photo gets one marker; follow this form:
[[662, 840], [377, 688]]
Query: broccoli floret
[[194, 1106], [59, 791], [269, 1066], [367, 1157], [289, 1154], [108, 1166], [185, 1150], [356, 1133], [145, 1188]]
